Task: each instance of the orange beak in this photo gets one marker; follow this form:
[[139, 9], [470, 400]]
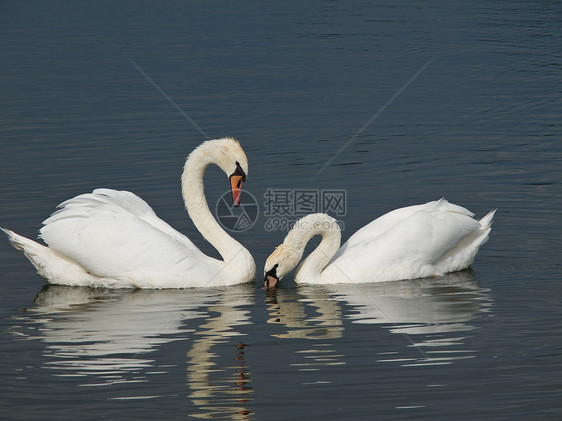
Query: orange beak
[[236, 188]]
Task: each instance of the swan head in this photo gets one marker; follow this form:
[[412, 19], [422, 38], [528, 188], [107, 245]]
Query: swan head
[[229, 156], [283, 260], [232, 160], [288, 255]]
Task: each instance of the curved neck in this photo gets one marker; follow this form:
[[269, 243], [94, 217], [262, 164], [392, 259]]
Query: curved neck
[[305, 229], [196, 204]]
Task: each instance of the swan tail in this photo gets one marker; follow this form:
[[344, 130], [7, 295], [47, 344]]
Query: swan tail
[[484, 231], [462, 256], [25, 245], [481, 236], [488, 220], [49, 264]]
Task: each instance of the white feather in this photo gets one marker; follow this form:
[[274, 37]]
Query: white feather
[[412, 242], [114, 239]]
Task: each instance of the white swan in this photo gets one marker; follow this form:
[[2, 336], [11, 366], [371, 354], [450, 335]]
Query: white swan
[[114, 239], [407, 243]]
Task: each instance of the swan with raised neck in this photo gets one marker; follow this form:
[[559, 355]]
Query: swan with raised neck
[[229, 156], [114, 239]]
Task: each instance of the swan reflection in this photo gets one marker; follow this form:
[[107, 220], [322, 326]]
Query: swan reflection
[[308, 312], [213, 394], [432, 314], [105, 337]]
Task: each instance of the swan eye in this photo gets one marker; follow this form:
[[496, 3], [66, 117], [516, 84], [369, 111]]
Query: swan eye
[[239, 171]]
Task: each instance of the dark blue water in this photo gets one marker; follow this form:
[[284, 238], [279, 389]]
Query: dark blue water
[[407, 103]]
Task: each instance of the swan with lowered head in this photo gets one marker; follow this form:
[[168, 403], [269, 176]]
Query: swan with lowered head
[[114, 239], [407, 243]]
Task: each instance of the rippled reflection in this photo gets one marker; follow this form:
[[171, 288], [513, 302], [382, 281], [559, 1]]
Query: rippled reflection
[[221, 391], [432, 314], [309, 313], [105, 337]]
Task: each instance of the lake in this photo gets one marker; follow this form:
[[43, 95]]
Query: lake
[[378, 104]]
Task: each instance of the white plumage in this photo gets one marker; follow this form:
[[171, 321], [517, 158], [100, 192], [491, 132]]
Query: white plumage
[[114, 239], [412, 242]]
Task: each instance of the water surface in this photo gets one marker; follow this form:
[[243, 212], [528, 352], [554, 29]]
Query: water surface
[[434, 99]]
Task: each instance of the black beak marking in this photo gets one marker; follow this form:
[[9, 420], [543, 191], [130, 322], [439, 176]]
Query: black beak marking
[[239, 171], [272, 272]]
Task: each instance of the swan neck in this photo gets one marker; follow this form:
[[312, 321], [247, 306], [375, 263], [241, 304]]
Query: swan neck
[[325, 226], [193, 193]]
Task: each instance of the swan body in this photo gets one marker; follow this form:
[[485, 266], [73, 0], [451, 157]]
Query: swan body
[[114, 239], [407, 243]]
